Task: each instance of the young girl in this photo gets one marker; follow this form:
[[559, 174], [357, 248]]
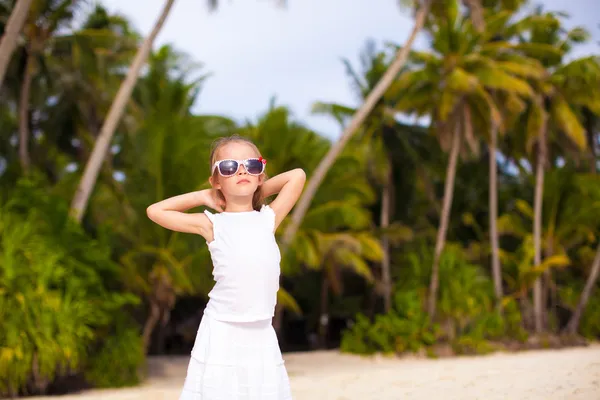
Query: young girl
[[236, 355]]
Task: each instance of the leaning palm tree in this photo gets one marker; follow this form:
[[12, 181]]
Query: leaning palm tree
[[92, 168], [377, 129], [422, 10], [12, 30]]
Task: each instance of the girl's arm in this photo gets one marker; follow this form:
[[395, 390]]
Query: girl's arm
[[289, 185], [170, 213]]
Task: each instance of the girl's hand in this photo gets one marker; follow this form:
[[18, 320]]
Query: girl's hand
[[210, 199]]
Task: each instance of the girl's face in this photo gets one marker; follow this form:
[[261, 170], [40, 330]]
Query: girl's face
[[240, 184]]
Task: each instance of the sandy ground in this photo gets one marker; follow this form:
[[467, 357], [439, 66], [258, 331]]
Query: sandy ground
[[553, 374]]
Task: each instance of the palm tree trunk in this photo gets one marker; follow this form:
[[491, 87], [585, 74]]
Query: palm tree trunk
[[493, 200], [537, 226], [13, 28], [444, 218], [92, 168], [24, 114], [324, 318], [476, 10], [150, 324], [590, 121], [573, 325], [358, 118], [386, 279]]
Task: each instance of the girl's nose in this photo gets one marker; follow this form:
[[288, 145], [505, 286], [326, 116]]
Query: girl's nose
[[242, 170]]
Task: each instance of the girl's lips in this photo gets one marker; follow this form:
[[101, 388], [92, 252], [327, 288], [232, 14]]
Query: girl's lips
[[243, 181]]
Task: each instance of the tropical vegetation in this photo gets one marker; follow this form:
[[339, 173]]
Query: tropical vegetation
[[475, 230]]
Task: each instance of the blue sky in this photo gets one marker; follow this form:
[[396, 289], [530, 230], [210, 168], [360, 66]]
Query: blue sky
[[256, 50]]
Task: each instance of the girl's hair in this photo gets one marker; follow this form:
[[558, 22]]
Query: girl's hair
[[257, 199]]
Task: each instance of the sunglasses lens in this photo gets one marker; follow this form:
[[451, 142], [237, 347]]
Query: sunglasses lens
[[254, 167], [228, 167]]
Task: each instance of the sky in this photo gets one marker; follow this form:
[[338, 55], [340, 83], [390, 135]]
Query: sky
[[256, 49]]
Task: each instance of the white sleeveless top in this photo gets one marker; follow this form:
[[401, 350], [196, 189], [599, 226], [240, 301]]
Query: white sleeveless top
[[246, 267]]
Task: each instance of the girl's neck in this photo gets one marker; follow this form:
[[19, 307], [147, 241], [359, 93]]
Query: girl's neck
[[239, 205]]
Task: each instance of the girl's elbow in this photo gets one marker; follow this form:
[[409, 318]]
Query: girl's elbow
[[301, 174]]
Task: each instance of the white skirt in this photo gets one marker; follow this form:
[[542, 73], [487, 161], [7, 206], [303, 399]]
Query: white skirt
[[236, 361]]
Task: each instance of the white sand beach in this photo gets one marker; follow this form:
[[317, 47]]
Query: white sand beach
[[566, 374]]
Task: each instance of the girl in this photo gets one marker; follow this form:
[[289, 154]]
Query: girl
[[236, 354]]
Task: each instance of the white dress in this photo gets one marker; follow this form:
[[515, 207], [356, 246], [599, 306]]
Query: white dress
[[236, 354]]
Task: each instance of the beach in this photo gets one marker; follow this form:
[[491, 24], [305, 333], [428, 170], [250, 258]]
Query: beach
[[565, 374]]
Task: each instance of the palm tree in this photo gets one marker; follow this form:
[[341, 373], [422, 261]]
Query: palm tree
[[458, 97], [160, 265], [12, 30], [371, 100], [43, 23], [378, 128], [477, 15], [573, 325], [85, 73], [554, 110], [92, 168], [422, 9], [571, 200]]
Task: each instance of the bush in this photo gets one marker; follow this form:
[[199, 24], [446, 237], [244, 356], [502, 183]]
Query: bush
[[126, 347], [406, 328], [465, 310], [56, 295]]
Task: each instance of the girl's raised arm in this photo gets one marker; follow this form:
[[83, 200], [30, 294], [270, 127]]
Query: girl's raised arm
[[170, 214], [289, 185]]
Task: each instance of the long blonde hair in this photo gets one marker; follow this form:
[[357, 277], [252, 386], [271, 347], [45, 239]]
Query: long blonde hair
[[257, 198]]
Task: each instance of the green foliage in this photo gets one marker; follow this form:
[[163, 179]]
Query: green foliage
[[467, 318], [65, 306], [590, 321], [56, 291], [124, 345], [406, 328]]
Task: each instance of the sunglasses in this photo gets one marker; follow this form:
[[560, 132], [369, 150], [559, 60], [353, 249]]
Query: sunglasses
[[254, 166]]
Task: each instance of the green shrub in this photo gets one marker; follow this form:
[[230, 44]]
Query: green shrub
[[56, 295], [465, 310], [117, 362], [406, 328], [590, 320]]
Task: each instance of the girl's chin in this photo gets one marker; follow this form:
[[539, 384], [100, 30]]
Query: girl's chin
[[245, 190]]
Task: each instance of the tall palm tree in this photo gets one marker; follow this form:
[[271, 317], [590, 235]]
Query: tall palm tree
[[422, 10], [479, 22], [453, 84], [160, 265], [554, 112], [378, 127], [85, 73], [92, 168], [44, 22], [12, 30]]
